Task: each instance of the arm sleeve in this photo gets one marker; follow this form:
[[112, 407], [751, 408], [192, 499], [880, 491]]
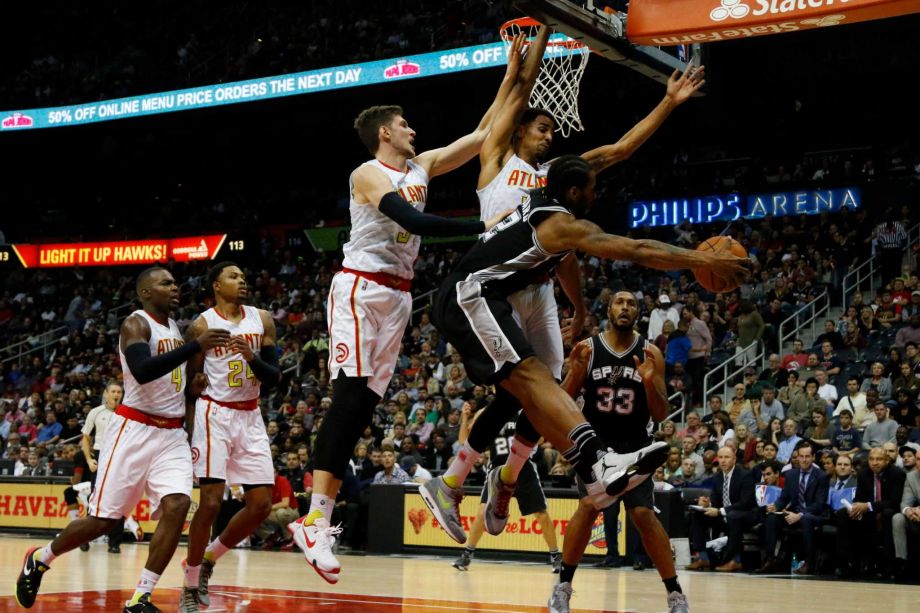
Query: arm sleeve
[[424, 224], [146, 367], [265, 366]]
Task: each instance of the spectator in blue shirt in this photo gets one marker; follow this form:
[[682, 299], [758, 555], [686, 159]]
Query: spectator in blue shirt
[[50, 431], [678, 349], [790, 440]]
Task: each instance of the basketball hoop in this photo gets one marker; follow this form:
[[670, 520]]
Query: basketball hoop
[[561, 69]]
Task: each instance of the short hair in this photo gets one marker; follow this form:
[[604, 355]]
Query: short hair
[[776, 466], [215, 271], [531, 113], [368, 123], [145, 276], [793, 373], [811, 380], [770, 444], [566, 172]]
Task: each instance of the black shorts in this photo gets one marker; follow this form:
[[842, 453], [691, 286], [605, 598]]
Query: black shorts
[[529, 491], [480, 324], [641, 496]]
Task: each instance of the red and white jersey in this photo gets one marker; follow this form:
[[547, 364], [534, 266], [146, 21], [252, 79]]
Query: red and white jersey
[[229, 376], [377, 243], [163, 397], [510, 187]]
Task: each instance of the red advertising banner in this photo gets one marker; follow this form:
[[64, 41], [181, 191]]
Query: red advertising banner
[[121, 253], [672, 22]]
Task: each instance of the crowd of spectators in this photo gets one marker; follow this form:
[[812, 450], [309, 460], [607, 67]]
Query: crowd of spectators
[[94, 53]]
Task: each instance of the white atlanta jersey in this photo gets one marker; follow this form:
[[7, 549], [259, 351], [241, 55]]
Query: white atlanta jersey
[[511, 187], [377, 243], [229, 376], [163, 397]]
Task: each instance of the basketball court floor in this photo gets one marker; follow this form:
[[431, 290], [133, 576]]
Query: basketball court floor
[[259, 582]]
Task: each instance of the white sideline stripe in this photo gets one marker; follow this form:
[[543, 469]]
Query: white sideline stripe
[[356, 601]]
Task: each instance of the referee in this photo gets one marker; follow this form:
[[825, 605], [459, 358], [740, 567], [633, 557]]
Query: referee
[[891, 240]]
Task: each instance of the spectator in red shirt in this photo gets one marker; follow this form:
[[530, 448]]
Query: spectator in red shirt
[[798, 358], [27, 430], [284, 511]]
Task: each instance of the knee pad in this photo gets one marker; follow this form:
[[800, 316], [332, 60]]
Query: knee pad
[[352, 409], [488, 425]]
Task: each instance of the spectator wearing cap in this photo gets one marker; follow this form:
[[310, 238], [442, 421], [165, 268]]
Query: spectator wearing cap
[[907, 521], [416, 472], [909, 333], [392, 473], [663, 311], [883, 431], [911, 308], [868, 522]]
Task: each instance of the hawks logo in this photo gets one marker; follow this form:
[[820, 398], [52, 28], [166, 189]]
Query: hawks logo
[[341, 353], [195, 454]]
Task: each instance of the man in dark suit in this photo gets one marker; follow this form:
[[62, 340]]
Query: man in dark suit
[[802, 503], [729, 509], [867, 524]]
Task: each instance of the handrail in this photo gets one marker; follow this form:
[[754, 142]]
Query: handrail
[[419, 298], [818, 306], [816, 312], [53, 333], [681, 410], [913, 237]]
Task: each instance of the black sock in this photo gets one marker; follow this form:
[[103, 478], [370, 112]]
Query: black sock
[[672, 585], [469, 550], [568, 572], [584, 451]]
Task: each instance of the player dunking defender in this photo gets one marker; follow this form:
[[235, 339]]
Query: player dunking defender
[[624, 395], [472, 310], [229, 441], [145, 447], [369, 301], [512, 164]]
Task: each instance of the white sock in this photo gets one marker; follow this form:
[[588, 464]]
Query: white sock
[[215, 550], [45, 555], [145, 584], [517, 456], [192, 574], [320, 506], [461, 466]]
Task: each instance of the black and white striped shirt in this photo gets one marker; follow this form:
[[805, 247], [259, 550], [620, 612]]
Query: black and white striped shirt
[[891, 236]]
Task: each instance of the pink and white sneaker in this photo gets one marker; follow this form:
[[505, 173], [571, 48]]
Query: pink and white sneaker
[[316, 542]]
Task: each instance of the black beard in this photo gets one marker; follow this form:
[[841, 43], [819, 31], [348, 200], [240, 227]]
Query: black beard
[[623, 328]]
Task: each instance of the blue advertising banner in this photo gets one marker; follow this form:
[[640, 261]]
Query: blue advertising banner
[[294, 84], [732, 207]]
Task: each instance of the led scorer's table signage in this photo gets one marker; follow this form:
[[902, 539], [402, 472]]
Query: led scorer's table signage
[[731, 207], [120, 253]]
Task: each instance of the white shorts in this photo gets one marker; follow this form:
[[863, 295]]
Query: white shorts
[[367, 322], [536, 313], [136, 459], [231, 445]]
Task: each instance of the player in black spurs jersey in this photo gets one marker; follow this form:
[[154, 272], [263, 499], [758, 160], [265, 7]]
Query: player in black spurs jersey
[[622, 375], [472, 311]]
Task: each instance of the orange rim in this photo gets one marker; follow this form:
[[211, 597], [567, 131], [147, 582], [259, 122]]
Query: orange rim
[[529, 22]]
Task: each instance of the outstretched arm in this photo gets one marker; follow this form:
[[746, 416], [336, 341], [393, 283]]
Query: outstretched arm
[[680, 88], [561, 232], [498, 140], [443, 160], [376, 189]]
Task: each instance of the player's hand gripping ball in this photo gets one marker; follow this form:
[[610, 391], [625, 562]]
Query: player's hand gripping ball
[[707, 277]]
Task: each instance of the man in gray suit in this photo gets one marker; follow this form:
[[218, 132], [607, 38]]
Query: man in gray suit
[[908, 520]]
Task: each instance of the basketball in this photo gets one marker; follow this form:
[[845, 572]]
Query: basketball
[[705, 276]]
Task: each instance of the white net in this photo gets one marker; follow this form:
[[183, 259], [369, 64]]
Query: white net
[[563, 65]]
